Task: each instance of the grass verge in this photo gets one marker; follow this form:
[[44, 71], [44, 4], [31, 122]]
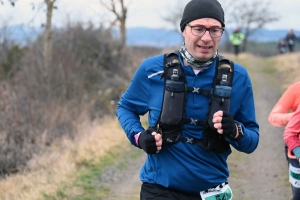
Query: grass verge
[[88, 184]]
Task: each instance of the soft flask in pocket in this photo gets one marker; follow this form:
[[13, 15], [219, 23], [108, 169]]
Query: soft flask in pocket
[[220, 99], [174, 100]]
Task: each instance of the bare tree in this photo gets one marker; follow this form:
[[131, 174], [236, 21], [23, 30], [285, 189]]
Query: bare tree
[[250, 16], [120, 15], [47, 52], [12, 2], [174, 14], [48, 34]]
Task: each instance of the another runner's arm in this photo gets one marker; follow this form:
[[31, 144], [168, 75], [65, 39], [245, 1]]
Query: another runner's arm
[[291, 134], [246, 117], [133, 103], [279, 115]]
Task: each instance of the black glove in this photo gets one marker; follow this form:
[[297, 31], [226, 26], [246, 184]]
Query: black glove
[[147, 141], [228, 125]]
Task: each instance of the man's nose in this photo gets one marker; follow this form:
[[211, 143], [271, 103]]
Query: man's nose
[[206, 36]]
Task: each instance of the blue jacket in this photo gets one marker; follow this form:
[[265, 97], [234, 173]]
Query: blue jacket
[[183, 166]]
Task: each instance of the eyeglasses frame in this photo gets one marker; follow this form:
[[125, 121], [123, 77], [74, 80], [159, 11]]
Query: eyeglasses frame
[[206, 29]]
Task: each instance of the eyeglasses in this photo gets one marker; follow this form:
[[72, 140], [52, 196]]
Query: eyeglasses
[[200, 31]]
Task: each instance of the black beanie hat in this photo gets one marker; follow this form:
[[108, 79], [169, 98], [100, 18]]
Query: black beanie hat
[[197, 9]]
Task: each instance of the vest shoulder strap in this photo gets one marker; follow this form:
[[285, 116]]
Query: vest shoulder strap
[[224, 66], [171, 60]]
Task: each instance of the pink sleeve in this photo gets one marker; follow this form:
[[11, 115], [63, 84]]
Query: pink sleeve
[[279, 116], [285, 107], [292, 130]]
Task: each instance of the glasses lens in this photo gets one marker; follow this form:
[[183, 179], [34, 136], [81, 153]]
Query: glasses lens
[[216, 32], [198, 31]]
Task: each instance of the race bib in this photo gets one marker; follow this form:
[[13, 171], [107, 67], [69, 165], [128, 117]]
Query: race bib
[[291, 42], [222, 192], [294, 176]]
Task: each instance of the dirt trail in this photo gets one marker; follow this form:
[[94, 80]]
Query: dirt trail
[[260, 175], [124, 183]]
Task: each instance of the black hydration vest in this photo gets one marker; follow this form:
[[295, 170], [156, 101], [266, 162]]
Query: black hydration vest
[[172, 116]]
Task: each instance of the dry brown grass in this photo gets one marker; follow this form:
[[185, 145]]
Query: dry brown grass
[[59, 164], [288, 66]]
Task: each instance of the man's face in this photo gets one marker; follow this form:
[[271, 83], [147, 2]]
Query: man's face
[[202, 47]]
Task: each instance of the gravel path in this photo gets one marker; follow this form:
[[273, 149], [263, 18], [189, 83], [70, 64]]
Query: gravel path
[[261, 175]]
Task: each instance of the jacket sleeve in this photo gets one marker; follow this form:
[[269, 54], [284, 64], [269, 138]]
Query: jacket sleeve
[[292, 130], [280, 115], [134, 103], [245, 115]]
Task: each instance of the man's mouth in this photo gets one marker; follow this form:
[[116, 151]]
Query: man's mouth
[[204, 47]]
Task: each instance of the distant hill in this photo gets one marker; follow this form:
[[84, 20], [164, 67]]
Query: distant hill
[[162, 37], [21, 34], [153, 37], [264, 35], [143, 36]]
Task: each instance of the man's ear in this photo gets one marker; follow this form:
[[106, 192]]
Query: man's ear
[[183, 33]]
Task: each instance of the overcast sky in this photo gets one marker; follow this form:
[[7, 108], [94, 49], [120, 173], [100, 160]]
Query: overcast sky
[[146, 13]]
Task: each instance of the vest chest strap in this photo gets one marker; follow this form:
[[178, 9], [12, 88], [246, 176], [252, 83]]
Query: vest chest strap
[[194, 122], [199, 91]]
